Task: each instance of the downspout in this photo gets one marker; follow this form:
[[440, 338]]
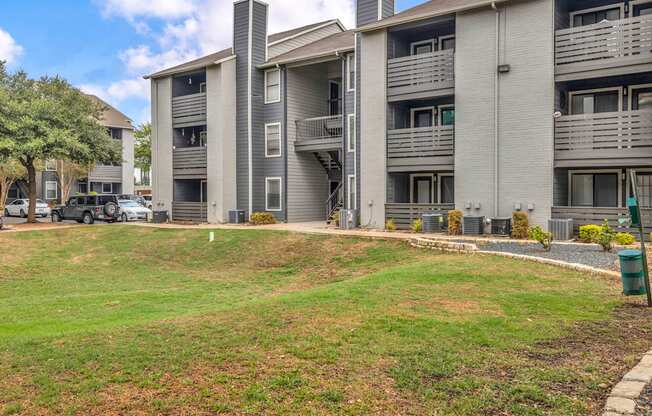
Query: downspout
[[496, 113], [285, 139], [249, 107]]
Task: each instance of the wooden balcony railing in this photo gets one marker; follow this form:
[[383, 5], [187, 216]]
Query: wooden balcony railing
[[421, 147], [595, 215], [189, 157], [189, 211], [421, 74], [319, 133], [608, 43], [189, 110], [618, 136], [106, 173], [404, 214]]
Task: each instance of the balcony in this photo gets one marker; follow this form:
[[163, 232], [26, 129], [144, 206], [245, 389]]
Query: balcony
[[319, 134], [404, 214], [603, 49], [418, 149], [189, 211], [106, 173], [189, 162], [189, 110], [604, 139], [421, 76]]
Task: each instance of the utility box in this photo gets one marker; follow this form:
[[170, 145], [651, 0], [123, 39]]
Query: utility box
[[237, 216], [473, 225], [160, 217], [349, 219], [501, 226], [631, 272], [561, 229], [431, 222]]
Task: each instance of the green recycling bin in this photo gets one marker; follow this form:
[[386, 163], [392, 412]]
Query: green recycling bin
[[631, 272]]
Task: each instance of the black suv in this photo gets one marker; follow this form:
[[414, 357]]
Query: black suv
[[87, 209]]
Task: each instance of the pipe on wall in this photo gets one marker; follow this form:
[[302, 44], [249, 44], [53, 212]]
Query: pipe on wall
[[496, 207]]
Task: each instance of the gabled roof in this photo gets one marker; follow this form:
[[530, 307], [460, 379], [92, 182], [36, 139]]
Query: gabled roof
[[111, 117], [328, 46], [198, 63], [277, 37], [426, 10]]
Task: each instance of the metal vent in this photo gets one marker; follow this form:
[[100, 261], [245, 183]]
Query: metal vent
[[561, 229], [473, 225]]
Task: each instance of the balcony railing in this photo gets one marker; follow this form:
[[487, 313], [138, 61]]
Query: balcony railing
[[319, 133], [189, 110], [618, 136], [404, 214], [596, 215], [419, 76], [105, 173], [423, 146], [604, 44], [189, 162], [189, 211]]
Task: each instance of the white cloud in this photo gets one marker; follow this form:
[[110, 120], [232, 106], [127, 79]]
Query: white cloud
[[10, 51], [119, 91], [132, 9]]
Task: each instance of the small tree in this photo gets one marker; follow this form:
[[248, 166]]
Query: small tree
[[68, 173], [49, 119], [10, 172], [143, 147]]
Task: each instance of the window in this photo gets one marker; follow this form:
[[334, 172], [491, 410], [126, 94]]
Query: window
[[423, 117], [424, 46], [591, 102], [642, 9], [350, 72], [115, 133], [446, 42], [350, 131], [272, 86], [51, 165], [13, 192], [446, 115], [107, 188], [352, 190], [273, 140], [51, 190], [273, 194], [82, 187], [447, 191], [644, 182], [422, 188], [641, 97], [592, 16], [590, 189]]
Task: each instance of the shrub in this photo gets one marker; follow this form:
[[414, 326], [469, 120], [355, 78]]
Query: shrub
[[520, 225], [336, 218], [543, 237], [390, 225], [262, 218], [589, 233], [455, 222], [625, 239], [417, 226], [607, 236]]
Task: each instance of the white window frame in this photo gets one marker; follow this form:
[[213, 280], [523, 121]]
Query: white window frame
[[280, 140], [110, 185], [587, 171], [351, 138], [441, 40], [434, 115], [280, 181], [631, 88], [439, 189], [439, 112], [597, 9], [571, 94], [423, 42], [48, 189], [352, 204], [350, 83], [433, 186], [48, 166], [280, 81]]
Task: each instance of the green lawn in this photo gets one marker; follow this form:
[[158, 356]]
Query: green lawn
[[120, 319]]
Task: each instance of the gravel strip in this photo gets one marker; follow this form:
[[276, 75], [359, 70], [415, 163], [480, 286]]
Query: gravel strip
[[644, 403], [589, 255]]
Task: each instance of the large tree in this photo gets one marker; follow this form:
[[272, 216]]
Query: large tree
[[10, 172], [143, 148], [49, 119]]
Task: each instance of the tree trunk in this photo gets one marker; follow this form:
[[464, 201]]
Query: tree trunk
[[31, 182], [5, 185]]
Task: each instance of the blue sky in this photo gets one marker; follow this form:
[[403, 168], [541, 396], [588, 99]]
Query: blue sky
[[105, 46]]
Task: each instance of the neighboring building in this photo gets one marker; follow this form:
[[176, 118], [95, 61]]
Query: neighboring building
[[102, 179], [489, 107]]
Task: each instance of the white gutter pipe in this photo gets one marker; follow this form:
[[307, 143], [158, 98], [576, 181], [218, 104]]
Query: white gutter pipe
[[496, 114]]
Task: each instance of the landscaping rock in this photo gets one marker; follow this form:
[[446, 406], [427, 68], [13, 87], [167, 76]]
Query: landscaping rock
[[628, 389], [621, 405]]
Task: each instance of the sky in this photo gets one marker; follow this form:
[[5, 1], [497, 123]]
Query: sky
[[104, 47]]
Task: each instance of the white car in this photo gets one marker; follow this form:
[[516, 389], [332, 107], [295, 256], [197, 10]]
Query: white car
[[133, 211], [20, 207]]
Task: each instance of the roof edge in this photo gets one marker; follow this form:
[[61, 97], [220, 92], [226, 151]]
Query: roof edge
[[324, 54], [172, 71], [296, 35]]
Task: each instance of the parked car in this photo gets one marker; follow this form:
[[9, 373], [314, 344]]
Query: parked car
[[133, 211], [20, 207], [136, 198], [148, 201], [88, 209]]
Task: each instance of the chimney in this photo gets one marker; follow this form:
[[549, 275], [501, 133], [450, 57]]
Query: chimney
[[370, 11]]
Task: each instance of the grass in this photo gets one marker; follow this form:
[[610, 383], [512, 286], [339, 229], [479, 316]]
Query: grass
[[120, 319]]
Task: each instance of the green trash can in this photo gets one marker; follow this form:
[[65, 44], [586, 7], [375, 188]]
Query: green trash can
[[631, 272]]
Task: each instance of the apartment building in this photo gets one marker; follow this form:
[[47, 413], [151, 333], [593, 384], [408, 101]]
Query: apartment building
[[488, 107], [102, 179]]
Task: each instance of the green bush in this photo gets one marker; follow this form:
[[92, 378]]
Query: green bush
[[417, 226], [520, 225], [262, 218], [607, 236], [625, 239], [544, 237], [390, 225], [590, 233], [455, 222]]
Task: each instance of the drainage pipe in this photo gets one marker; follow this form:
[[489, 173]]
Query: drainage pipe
[[496, 113]]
